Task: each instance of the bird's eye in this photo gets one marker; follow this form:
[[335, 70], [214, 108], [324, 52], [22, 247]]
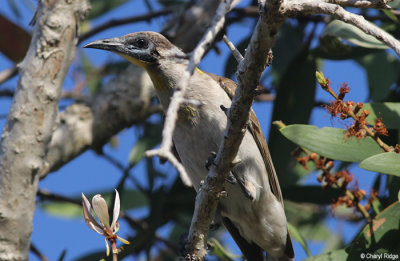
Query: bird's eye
[[141, 43]]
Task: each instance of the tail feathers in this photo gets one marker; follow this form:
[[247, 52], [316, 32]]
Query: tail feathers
[[289, 252], [251, 251]]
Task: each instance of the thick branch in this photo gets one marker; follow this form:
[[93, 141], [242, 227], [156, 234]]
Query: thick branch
[[31, 120], [249, 72], [121, 103]]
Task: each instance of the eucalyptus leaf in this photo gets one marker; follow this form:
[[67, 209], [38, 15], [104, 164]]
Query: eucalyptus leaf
[[151, 137], [296, 235], [218, 250], [297, 81], [330, 256], [332, 48], [388, 163], [331, 142], [100, 7], [129, 199], [389, 112], [352, 34], [380, 238], [312, 194], [380, 78]]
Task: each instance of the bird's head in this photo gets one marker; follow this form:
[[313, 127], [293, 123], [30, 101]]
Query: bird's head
[[143, 48]]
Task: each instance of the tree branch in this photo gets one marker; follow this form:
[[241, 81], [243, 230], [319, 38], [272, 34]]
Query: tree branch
[[118, 22], [307, 7], [249, 73], [8, 74], [121, 103], [31, 120], [379, 4]]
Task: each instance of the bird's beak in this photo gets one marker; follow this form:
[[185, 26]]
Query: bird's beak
[[111, 44]]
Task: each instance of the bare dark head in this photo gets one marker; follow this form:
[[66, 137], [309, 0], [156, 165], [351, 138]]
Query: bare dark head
[[142, 48]]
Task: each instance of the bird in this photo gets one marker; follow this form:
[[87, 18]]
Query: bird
[[253, 210]]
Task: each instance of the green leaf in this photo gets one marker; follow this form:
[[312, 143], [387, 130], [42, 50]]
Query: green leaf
[[382, 237], [62, 255], [93, 77], [352, 34], [296, 235], [100, 7], [388, 163], [289, 43], [376, 206], [218, 250], [129, 199], [297, 81], [330, 256], [311, 194], [151, 137], [330, 142], [332, 48], [380, 78], [389, 112]]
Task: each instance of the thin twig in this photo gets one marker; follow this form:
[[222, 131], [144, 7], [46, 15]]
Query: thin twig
[[350, 112], [8, 74], [36, 251], [238, 56], [6, 93], [128, 20]]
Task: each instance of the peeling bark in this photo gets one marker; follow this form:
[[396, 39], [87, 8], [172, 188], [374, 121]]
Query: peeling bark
[[31, 119]]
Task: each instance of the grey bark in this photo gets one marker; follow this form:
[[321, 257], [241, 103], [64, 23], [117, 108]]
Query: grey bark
[[31, 118]]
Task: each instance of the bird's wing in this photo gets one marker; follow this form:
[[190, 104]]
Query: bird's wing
[[254, 127]]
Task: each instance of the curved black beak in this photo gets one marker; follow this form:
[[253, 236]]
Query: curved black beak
[[110, 44]]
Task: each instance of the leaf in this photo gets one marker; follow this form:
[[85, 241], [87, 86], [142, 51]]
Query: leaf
[[62, 255], [376, 206], [296, 235], [381, 237], [93, 77], [309, 219], [297, 81], [130, 199], [330, 142], [330, 256], [352, 34], [289, 43], [218, 250], [388, 163], [382, 77], [149, 139], [332, 48], [388, 111], [312, 194], [100, 7]]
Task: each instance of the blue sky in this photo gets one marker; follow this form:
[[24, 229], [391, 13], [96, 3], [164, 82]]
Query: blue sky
[[89, 173]]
